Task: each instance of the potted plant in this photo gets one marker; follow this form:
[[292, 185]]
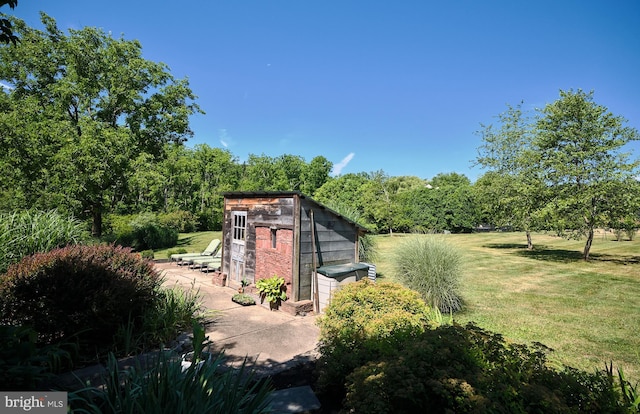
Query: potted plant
[[243, 283], [272, 289]]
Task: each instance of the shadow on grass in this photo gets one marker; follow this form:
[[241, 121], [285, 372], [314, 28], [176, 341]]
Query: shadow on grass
[[185, 242], [545, 253]]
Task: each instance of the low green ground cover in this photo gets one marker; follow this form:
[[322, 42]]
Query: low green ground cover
[[588, 312]]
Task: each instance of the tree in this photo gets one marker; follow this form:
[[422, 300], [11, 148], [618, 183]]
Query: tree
[[315, 174], [450, 180], [515, 191], [6, 29], [580, 156], [449, 205], [218, 171], [86, 105], [344, 190]]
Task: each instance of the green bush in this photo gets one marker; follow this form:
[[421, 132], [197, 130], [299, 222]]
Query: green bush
[[180, 221], [466, 369], [29, 232], [365, 321], [431, 267], [141, 232], [80, 293], [180, 250]]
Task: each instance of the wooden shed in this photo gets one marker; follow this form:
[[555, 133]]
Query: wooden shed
[[270, 233]]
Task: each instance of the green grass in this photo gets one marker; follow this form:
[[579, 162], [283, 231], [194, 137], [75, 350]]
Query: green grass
[[588, 312], [192, 242]]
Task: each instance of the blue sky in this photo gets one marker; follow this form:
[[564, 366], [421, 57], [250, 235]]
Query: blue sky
[[397, 86]]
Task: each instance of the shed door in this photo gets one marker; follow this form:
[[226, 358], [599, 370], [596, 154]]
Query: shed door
[[238, 236]]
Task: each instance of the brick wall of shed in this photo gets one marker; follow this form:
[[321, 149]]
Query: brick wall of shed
[[274, 261]]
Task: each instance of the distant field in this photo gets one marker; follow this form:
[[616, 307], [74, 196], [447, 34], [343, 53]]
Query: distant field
[[588, 312]]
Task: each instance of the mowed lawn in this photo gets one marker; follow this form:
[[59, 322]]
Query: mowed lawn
[[587, 312]]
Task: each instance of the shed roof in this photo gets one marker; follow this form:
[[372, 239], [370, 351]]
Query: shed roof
[[237, 194]]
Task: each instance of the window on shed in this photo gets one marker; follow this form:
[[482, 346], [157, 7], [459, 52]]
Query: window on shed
[[239, 225], [274, 237]]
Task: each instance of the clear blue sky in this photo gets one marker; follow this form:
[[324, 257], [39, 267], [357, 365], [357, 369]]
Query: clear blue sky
[[394, 85]]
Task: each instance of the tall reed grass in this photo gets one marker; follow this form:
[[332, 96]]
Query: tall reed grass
[[28, 232]]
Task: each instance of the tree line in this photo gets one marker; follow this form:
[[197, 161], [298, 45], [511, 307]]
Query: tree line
[[89, 127]]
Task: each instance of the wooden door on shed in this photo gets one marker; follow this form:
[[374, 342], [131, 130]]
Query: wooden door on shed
[[238, 241]]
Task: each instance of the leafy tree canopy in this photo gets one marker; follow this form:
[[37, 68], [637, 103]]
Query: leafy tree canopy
[[81, 107]]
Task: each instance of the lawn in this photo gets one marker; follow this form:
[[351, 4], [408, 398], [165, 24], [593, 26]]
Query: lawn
[[588, 312], [192, 242]]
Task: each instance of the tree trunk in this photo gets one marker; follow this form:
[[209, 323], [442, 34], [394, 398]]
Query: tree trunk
[[529, 241], [96, 217], [587, 246]]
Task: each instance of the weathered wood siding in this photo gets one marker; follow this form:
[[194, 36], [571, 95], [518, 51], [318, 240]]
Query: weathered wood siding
[[335, 242], [336, 238], [276, 212]]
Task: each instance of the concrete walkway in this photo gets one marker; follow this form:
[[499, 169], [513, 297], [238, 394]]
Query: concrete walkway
[[272, 340]]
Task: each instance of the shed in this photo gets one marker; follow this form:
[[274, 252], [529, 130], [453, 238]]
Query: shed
[[270, 233]]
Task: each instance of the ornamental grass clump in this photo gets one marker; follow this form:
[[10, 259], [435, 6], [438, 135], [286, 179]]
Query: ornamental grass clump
[[432, 267], [29, 232]]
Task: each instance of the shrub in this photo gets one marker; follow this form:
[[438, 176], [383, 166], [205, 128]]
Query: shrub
[[180, 250], [365, 321], [147, 254], [432, 267], [466, 369], [29, 232], [141, 232], [79, 292], [180, 221]]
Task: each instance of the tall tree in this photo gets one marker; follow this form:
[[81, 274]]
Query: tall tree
[[87, 105], [315, 174], [580, 146], [506, 152]]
